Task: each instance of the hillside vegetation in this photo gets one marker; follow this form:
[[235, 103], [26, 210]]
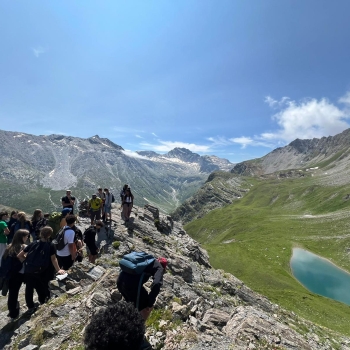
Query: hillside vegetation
[[253, 239]]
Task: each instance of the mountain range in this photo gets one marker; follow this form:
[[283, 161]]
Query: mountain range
[[35, 171]]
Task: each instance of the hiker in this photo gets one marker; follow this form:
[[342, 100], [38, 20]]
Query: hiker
[[38, 258], [128, 284], [21, 223], [15, 272], [65, 212], [4, 231], [100, 194], [90, 240], [79, 243], [94, 208], [128, 201], [108, 205], [67, 255], [122, 194], [37, 216], [13, 219], [117, 326], [68, 201], [43, 221]]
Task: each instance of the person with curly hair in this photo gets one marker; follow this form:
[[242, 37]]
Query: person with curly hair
[[119, 326]]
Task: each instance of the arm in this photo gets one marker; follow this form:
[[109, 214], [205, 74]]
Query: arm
[[157, 283], [6, 231], [21, 256], [55, 264], [71, 247]]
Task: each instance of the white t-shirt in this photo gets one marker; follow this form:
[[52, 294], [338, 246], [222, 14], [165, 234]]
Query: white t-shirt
[[68, 238]]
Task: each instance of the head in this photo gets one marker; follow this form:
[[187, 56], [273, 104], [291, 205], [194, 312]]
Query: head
[[66, 211], [68, 192], [94, 196], [37, 215], [46, 232], [4, 215], [163, 262], [21, 217], [128, 191], [47, 215], [100, 190], [125, 187], [18, 240], [99, 224], [106, 190], [121, 325], [14, 214], [70, 219]]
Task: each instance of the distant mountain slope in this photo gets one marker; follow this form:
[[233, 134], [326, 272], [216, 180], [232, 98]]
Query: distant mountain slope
[[326, 159], [330, 154], [220, 189], [35, 170]]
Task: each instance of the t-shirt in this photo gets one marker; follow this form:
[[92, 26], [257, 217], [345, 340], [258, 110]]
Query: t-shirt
[[66, 200], [52, 247], [68, 238], [3, 237], [108, 199], [95, 204], [90, 236]]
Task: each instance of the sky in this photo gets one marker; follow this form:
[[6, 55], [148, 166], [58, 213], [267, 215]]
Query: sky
[[231, 78]]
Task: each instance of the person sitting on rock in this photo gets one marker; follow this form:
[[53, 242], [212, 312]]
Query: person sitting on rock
[[128, 201], [37, 276], [128, 286], [90, 240], [95, 204], [68, 201], [118, 326]]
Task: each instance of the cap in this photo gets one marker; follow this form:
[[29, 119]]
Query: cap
[[163, 262], [93, 195], [66, 211]]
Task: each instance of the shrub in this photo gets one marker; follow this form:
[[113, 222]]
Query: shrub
[[116, 244]]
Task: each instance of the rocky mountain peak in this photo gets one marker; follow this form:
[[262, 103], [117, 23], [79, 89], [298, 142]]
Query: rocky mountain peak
[[183, 154]]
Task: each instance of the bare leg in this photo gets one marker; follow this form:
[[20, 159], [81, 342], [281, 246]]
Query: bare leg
[[146, 312]]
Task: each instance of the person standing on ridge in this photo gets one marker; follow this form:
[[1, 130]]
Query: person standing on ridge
[[108, 204], [101, 195], [90, 240], [68, 201], [68, 254], [94, 208], [4, 231], [128, 202], [128, 286]]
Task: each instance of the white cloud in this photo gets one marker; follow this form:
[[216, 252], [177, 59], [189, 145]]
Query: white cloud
[[243, 141], [166, 146], [133, 154], [138, 136], [37, 51], [307, 119], [345, 99], [154, 134]]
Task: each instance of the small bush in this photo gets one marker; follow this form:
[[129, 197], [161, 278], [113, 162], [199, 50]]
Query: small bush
[[116, 244], [148, 240]]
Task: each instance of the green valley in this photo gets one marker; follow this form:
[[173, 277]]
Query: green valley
[[253, 239]]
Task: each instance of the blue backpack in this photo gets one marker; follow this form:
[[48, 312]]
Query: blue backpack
[[135, 263]]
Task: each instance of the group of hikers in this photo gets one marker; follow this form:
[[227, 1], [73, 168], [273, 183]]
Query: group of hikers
[[31, 253]]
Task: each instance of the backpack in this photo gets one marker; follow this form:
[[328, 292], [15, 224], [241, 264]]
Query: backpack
[[135, 263], [87, 230], [38, 258], [113, 199], [18, 226], [5, 269], [59, 240], [40, 224]]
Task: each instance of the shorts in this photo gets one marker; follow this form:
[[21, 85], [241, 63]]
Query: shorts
[[95, 213], [92, 249], [107, 208]]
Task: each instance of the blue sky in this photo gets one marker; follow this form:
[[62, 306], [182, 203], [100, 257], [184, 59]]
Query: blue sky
[[231, 78]]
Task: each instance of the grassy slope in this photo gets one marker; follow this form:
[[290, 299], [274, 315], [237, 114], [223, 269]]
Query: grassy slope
[[265, 225]]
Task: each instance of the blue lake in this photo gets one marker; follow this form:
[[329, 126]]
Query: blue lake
[[320, 276]]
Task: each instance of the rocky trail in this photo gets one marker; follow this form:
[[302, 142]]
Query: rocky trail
[[198, 307]]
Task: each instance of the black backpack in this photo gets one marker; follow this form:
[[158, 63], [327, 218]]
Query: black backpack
[[38, 258], [90, 228], [40, 224], [59, 240], [113, 199]]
